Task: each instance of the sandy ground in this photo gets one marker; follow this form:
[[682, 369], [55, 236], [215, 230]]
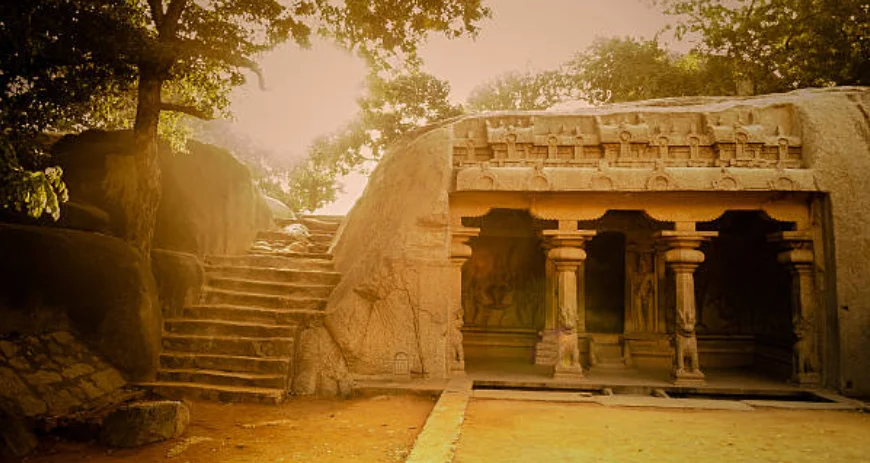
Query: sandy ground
[[376, 429], [515, 431]]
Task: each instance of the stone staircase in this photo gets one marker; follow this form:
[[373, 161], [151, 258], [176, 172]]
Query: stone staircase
[[237, 344]]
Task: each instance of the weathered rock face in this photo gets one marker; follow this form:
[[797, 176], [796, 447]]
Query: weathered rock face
[[179, 278], [98, 283], [390, 309], [99, 171], [142, 423], [210, 204], [319, 366]]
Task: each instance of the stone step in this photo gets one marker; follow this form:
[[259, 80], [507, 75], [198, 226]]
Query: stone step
[[263, 347], [199, 327], [319, 247], [231, 394], [223, 378], [270, 287], [290, 262], [278, 235], [274, 274], [251, 314], [267, 301], [188, 360], [315, 223]]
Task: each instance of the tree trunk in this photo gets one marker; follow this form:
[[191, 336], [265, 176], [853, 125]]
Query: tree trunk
[[141, 208]]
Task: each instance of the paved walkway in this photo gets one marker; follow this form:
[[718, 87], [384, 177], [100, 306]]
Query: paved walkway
[[520, 431], [488, 425]]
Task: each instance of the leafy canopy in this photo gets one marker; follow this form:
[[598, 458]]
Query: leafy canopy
[[75, 64], [781, 45]]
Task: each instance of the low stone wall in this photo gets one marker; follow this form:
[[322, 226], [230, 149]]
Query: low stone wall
[[54, 375], [44, 379]]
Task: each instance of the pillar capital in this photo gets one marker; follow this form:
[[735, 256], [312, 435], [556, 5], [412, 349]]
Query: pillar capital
[[460, 251], [567, 238], [796, 249]]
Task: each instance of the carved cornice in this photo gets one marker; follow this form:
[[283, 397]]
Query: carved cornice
[[484, 177], [734, 137]]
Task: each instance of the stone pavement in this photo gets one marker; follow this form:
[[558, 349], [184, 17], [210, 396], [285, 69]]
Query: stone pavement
[[53, 375]]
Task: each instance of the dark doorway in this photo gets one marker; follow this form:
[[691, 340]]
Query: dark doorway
[[605, 283]]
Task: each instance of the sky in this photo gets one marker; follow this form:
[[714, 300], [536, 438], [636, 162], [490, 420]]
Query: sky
[[313, 92]]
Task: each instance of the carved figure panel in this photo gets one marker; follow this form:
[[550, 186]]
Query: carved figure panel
[[503, 282]]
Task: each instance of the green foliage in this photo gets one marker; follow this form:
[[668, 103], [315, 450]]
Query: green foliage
[[76, 64], [610, 70], [628, 69], [30, 192], [524, 91], [778, 45], [391, 107]]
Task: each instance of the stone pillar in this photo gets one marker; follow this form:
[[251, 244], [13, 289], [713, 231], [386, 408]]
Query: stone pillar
[[460, 252], [797, 254], [683, 257], [547, 346], [568, 256]]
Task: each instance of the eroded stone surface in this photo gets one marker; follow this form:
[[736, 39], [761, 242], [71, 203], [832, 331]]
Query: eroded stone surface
[[142, 423]]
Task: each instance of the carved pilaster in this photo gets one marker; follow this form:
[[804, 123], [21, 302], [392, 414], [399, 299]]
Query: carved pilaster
[[460, 252], [567, 254], [797, 254], [683, 257]]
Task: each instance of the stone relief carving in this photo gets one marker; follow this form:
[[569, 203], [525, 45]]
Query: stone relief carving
[[456, 351], [735, 137], [501, 287]]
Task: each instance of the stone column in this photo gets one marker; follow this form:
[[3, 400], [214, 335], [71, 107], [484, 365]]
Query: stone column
[[547, 346], [568, 256], [460, 252], [683, 257], [797, 254]]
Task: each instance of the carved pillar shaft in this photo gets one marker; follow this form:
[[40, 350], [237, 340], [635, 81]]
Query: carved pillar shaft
[[567, 255], [683, 257], [798, 255], [460, 252]]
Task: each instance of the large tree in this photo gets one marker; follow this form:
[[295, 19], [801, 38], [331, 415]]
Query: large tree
[[610, 70], [199, 47], [524, 91], [776, 45], [394, 104]]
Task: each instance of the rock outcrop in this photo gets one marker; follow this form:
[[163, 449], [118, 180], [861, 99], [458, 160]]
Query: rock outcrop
[[94, 284], [209, 204], [390, 309]]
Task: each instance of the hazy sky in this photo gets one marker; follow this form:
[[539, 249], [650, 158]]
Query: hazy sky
[[313, 92]]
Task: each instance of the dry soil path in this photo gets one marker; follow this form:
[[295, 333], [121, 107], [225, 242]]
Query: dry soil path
[[376, 429]]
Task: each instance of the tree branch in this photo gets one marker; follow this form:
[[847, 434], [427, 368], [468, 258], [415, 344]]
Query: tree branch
[[171, 18], [184, 109], [197, 48], [156, 7]]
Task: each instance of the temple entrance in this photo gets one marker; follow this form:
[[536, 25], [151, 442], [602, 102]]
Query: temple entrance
[[605, 283], [743, 297], [524, 283], [503, 288]]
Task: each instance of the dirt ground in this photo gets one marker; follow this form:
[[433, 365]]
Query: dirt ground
[[375, 429], [514, 431]]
